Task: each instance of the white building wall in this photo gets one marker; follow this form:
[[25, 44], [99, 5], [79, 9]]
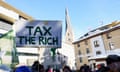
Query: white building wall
[[68, 50], [100, 48], [27, 60]]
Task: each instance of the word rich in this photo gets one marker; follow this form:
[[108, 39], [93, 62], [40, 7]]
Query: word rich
[[38, 36]]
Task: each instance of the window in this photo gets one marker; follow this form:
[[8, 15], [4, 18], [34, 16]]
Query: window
[[68, 34], [78, 45], [69, 39], [79, 52], [98, 52], [96, 43], [88, 56], [80, 59], [87, 50], [111, 45], [75, 64], [103, 28], [108, 35], [86, 42]]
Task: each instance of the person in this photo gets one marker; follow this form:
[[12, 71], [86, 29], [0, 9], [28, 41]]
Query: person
[[22, 69], [98, 67], [37, 67], [113, 63], [101, 68], [67, 69], [85, 68], [41, 68], [49, 69]]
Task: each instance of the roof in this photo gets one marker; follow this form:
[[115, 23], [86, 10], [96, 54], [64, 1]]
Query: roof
[[2, 3], [99, 30]]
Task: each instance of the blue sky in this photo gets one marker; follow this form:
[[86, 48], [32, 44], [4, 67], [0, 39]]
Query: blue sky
[[85, 15]]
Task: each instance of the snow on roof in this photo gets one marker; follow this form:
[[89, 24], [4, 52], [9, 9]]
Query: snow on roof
[[96, 31]]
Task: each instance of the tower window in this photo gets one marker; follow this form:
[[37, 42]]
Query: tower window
[[68, 34], [69, 39]]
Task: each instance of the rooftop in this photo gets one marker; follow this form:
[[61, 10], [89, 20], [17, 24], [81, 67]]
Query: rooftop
[[99, 30]]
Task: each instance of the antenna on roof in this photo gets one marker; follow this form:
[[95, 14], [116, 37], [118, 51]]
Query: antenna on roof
[[101, 23]]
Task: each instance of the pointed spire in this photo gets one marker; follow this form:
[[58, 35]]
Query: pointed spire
[[69, 33], [66, 11], [67, 18]]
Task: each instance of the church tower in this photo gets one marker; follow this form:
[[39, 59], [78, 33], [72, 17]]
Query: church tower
[[69, 32]]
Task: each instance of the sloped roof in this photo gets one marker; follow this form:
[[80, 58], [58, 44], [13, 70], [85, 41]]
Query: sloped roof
[[4, 4], [98, 31]]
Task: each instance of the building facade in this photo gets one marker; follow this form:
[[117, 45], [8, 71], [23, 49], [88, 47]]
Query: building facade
[[8, 17], [96, 45]]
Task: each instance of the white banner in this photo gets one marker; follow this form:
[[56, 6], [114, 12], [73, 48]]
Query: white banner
[[43, 34]]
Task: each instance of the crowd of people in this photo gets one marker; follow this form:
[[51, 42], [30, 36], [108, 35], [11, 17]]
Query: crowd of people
[[112, 65], [36, 67]]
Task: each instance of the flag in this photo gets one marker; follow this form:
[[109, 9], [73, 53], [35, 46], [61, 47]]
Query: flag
[[7, 44]]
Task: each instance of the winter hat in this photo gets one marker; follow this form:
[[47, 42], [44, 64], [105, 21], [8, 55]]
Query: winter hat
[[22, 69], [112, 58]]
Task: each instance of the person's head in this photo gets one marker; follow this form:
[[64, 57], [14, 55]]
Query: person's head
[[66, 69], [113, 62], [98, 66], [85, 64], [41, 68], [36, 62], [22, 69]]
